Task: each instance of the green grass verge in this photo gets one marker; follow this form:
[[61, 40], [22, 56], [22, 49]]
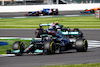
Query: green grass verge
[[77, 65], [72, 22], [10, 42]]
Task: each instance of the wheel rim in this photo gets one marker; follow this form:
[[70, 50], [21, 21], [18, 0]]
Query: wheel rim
[[52, 47], [19, 47], [85, 46]]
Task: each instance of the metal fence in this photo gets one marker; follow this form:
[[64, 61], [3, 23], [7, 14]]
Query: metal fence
[[88, 1], [40, 2], [21, 2]]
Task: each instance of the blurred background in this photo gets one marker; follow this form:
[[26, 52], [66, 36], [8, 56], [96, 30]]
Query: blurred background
[[42, 2]]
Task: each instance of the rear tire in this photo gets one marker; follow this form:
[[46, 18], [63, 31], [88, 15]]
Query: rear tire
[[58, 50], [92, 11], [76, 30], [18, 45], [56, 13], [29, 12], [37, 13], [38, 33], [80, 34], [81, 45]]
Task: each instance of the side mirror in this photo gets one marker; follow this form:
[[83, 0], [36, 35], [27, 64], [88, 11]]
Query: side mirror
[[40, 27]]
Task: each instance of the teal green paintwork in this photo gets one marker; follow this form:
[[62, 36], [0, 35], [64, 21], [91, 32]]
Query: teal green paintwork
[[16, 51], [38, 51], [70, 33]]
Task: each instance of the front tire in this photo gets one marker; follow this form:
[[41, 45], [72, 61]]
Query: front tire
[[8, 51], [81, 45], [49, 47], [29, 13], [18, 45]]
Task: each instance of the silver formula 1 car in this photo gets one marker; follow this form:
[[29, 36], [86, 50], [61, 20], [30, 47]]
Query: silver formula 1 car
[[55, 39]]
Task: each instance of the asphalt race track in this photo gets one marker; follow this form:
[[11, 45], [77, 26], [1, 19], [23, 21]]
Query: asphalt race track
[[68, 57], [90, 34], [8, 15]]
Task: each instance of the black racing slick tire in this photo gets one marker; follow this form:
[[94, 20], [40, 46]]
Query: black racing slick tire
[[58, 50], [37, 13], [38, 33], [81, 45], [80, 34], [49, 47], [18, 45], [56, 13], [29, 13], [8, 51], [76, 30], [92, 11]]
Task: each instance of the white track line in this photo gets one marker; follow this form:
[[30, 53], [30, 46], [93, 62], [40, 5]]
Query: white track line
[[71, 15], [45, 16], [7, 55], [22, 38], [26, 38], [94, 43], [19, 17], [91, 44]]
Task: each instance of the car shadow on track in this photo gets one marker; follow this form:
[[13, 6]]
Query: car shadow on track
[[62, 53]]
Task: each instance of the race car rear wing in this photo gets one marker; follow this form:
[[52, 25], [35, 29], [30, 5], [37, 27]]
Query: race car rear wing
[[70, 33], [48, 24]]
